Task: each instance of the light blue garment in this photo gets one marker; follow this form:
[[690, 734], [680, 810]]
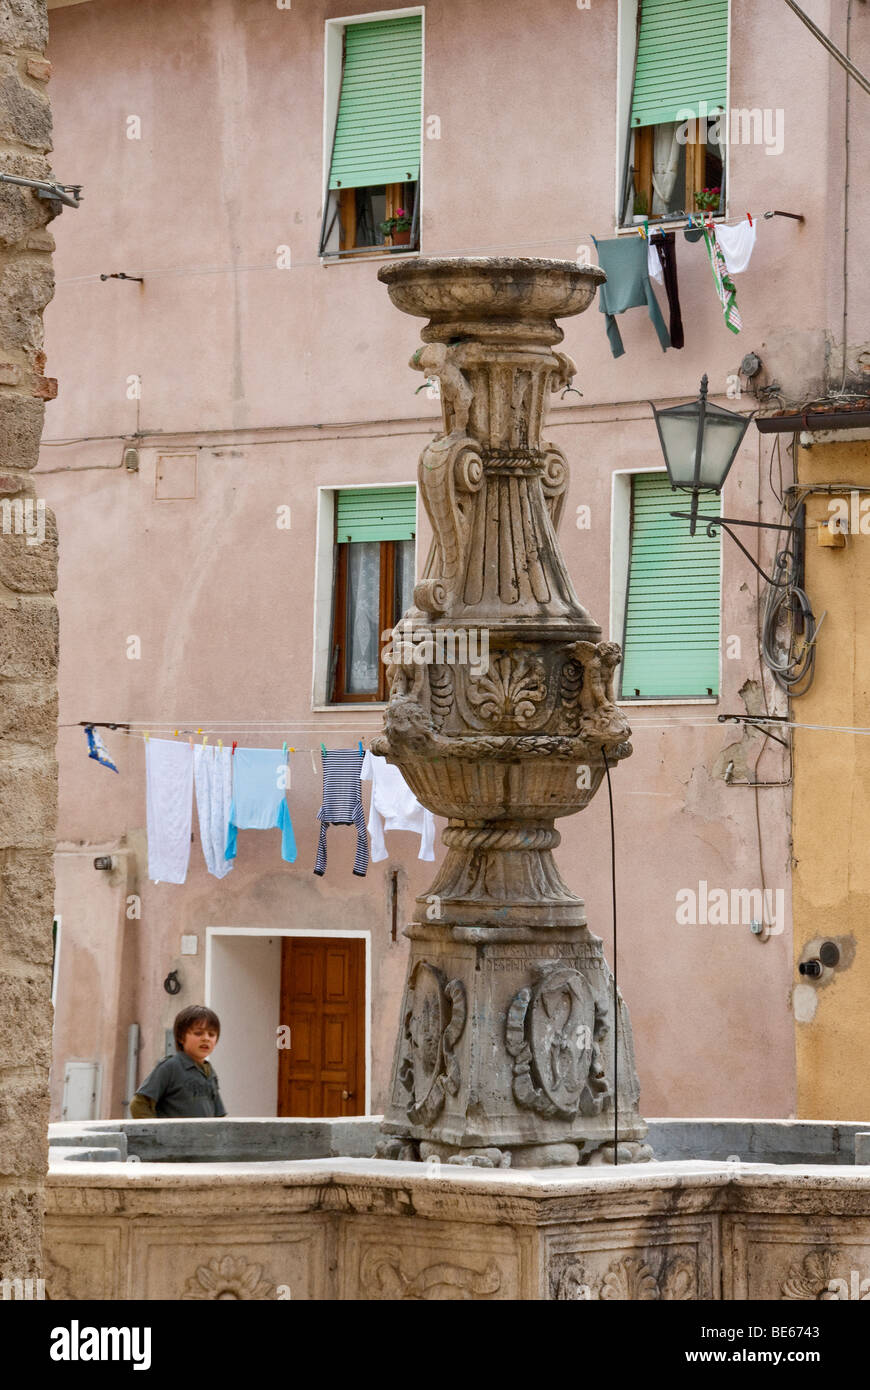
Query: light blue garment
[[259, 802]]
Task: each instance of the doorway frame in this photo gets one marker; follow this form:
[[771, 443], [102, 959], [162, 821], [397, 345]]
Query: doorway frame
[[212, 932]]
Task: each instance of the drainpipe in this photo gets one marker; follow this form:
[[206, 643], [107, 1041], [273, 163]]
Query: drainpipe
[[132, 1065]]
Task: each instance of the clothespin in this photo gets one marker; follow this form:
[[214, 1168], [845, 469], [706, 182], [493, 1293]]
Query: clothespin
[[284, 749], [234, 747], [292, 749], [220, 745], [323, 749], [749, 215], [147, 735], [204, 738], [199, 731], [360, 748], [190, 740], [175, 735]]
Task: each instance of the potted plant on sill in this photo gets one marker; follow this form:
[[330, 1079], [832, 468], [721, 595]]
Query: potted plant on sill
[[707, 199], [641, 208], [397, 228]]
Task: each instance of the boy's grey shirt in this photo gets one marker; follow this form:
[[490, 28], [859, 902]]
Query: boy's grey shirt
[[181, 1090]]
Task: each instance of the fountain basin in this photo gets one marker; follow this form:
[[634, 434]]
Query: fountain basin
[[361, 1228]]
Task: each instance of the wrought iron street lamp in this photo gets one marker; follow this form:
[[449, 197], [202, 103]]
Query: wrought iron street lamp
[[699, 441]]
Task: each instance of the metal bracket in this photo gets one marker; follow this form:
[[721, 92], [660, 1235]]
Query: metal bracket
[[69, 194]]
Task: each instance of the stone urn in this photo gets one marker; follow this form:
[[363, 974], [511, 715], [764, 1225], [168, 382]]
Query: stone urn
[[514, 1047]]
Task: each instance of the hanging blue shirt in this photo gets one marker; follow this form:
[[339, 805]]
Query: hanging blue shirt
[[259, 802]]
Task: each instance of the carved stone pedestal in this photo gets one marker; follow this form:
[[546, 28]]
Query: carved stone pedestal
[[506, 1056]]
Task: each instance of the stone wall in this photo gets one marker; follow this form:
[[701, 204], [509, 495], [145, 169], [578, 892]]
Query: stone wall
[[28, 645]]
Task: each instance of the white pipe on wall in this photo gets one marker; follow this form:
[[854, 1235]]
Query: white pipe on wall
[[132, 1065]]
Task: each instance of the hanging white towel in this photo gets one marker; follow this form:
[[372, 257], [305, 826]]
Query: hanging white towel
[[654, 265], [737, 244], [394, 807], [213, 778], [169, 799]]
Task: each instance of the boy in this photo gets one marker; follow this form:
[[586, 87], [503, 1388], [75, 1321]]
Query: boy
[[184, 1086]]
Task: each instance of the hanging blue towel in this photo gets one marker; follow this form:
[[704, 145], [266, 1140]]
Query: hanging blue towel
[[259, 801], [624, 261]]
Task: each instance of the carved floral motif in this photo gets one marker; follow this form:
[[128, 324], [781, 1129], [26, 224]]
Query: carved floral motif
[[510, 691], [228, 1277], [814, 1278], [628, 1279]]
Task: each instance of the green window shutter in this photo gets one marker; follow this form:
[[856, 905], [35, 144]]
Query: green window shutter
[[376, 514], [377, 134], [672, 607], [682, 59]]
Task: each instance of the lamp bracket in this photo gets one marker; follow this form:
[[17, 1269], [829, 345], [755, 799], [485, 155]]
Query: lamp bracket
[[713, 523]]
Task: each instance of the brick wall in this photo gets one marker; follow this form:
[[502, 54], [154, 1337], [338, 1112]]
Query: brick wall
[[28, 645]]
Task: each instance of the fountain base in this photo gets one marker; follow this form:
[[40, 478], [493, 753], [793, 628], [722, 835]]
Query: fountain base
[[512, 1053]]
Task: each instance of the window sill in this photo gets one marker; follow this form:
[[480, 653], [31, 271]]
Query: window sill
[[376, 254], [660, 225], [348, 705], [629, 703]]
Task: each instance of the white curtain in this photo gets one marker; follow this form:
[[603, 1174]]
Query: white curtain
[[666, 166], [363, 614]]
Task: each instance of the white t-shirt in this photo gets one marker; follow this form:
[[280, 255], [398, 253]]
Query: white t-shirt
[[394, 807]]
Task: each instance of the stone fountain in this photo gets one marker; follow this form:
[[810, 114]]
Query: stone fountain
[[515, 1050], [514, 1047]]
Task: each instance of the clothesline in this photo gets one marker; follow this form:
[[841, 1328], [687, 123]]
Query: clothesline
[[509, 248], [246, 789]]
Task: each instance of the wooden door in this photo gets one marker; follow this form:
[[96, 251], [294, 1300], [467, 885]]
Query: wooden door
[[322, 1073]]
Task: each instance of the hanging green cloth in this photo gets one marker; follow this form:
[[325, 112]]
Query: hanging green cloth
[[725, 287], [624, 261]]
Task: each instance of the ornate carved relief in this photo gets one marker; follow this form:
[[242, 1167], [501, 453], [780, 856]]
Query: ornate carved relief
[[553, 1033], [628, 1279], [434, 1022], [814, 1278], [509, 693], [440, 361], [228, 1277], [441, 694], [382, 1276]]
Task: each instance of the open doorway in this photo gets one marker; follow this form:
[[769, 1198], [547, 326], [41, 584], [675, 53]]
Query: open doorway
[[260, 990]]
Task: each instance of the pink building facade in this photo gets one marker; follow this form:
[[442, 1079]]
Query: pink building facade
[[254, 378]]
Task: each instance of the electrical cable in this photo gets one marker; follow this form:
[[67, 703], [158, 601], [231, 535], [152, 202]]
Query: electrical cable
[[786, 596], [615, 968]]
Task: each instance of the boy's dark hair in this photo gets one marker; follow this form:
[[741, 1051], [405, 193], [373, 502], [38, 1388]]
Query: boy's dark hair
[[194, 1013]]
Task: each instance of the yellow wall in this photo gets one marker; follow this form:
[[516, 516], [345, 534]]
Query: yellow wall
[[831, 809]]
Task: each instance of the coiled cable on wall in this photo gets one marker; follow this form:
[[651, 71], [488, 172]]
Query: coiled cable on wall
[[786, 599]]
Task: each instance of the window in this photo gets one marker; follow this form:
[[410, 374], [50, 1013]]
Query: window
[[677, 57], [671, 633], [374, 168], [374, 584]]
